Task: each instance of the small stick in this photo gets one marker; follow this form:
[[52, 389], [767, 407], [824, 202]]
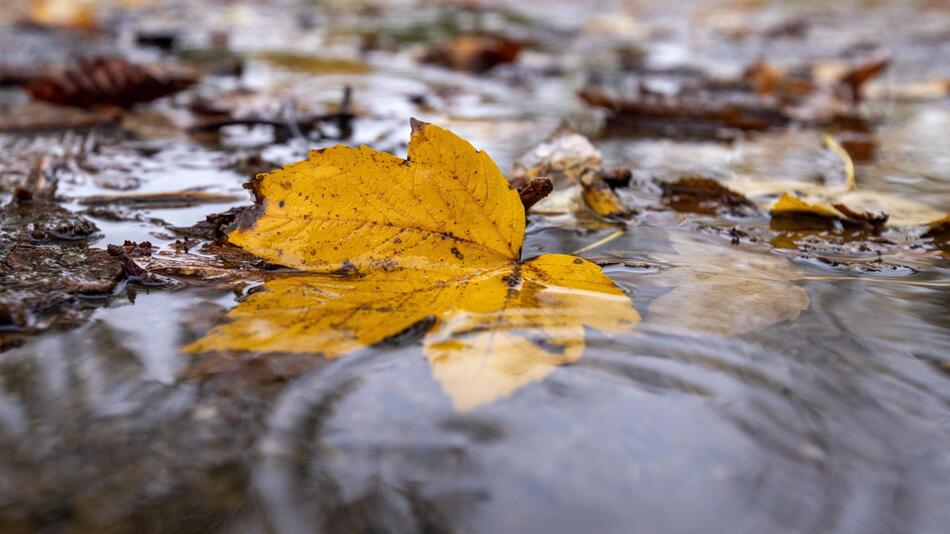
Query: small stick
[[850, 183], [604, 241]]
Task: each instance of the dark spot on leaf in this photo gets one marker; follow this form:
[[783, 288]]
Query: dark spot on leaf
[[348, 269]]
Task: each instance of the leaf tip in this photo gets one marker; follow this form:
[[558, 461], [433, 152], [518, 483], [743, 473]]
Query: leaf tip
[[417, 125]]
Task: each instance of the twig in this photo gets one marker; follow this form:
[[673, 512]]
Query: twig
[[600, 242], [850, 183]]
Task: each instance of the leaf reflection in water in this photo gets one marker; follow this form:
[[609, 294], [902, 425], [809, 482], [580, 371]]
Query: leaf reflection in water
[[496, 330]]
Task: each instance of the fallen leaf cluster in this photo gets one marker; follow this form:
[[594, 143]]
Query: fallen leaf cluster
[[576, 168], [764, 98]]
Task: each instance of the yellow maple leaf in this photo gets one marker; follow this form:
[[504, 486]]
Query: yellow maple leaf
[[447, 205], [437, 235]]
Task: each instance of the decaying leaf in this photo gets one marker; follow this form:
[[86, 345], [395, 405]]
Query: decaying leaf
[[48, 275], [108, 81], [817, 206], [901, 211], [399, 241], [723, 290], [562, 158], [474, 52], [698, 194], [790, 212], [570, 159], [690, 103], [38, 117], [939, 231]]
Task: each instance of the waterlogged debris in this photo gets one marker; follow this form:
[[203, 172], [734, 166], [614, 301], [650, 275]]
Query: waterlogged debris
[[36, 117], [902, 212], [437, 235], [535, 190], [691, 104], [919, 91], [47, 273], [26, 219], [939, 232], [312, 64], [600, 197], [807, 206], [43, 286], [476, 53], [699, 194], [207, 263], [250, 108], [792, 213], [170, 199], [562, 158], [570, 159], [108, 81], [724, 291]]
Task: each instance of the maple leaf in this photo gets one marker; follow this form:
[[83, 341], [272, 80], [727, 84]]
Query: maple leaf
[[398, 241], [356, 208]]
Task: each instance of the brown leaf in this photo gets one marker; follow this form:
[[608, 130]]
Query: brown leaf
[[474, 52], [939, 231], [698, 194], [855, 78]]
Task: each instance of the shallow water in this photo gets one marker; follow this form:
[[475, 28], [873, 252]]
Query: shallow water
[[836, 421]]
